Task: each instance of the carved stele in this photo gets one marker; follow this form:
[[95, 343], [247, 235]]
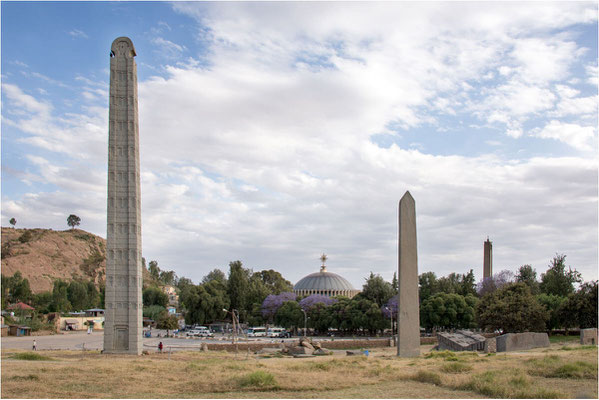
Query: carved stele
[[123, 308], [408, 343]]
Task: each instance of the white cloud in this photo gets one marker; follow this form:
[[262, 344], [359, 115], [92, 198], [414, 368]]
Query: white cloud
[[579, 137], [263, 153], [77, 33]]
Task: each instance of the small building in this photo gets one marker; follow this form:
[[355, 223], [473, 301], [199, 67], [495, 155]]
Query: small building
[[94, 312], [3, 330], [171, 310], [19, 330], [171, 292], [21, 308]]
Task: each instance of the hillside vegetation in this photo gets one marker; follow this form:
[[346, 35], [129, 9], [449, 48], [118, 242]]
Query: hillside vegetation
[[43, 255]]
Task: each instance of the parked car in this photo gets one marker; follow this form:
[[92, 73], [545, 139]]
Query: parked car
[[193, 332]]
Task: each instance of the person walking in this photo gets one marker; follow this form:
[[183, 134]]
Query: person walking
[[160, 347], [34, 345]]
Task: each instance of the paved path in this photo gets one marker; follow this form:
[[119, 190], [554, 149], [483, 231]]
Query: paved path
[[95, 341]]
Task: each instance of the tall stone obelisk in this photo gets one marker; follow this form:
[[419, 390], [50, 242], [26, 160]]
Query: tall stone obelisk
[[408, 338], [123, 308], [488, 259]]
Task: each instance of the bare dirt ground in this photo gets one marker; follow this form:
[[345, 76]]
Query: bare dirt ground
[[557, 372]]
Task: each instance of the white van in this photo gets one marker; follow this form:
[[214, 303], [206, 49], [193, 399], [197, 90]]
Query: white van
[[257, 332], [276, 332]]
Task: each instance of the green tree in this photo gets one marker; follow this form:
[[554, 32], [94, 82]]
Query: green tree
[[527, 274], [154, 270], [274, 281], [154, 312], [237, 288], [552, 304], [511, 308], [448, 310], [154, 296], [215, 275], [580, 308], [77, 295], [395, 284], [42, 302], [167, 321], [290, 316], [13, 222], [557, 280], [60, 300], [73, 221], [467, 285], [204, 303], [167, 277], [428, 286], [339, 314], [377, 290], [16, 288]]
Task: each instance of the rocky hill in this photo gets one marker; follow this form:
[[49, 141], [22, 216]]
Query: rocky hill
[[42, 255]]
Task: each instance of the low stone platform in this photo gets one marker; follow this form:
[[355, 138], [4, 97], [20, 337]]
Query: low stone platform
[[588, 336], [522, 341]]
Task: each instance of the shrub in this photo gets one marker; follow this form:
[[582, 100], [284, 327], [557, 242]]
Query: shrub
[[456, 368], [25, 237], [29, 356], [29, 377], [427, 377], [259, 379]]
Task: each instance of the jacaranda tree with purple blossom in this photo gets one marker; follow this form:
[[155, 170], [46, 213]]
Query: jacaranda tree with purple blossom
[[311, 301], [273, 302]]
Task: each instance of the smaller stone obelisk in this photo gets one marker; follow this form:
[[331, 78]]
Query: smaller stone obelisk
[[488, 259], [408, 342]]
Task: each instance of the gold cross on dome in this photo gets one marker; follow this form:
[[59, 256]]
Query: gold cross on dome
[[323, 258]]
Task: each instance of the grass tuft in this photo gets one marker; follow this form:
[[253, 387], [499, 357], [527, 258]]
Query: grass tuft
[[427, 377], [259, 379], [585, 347], [29, 356], [456, 368], [29, 377]]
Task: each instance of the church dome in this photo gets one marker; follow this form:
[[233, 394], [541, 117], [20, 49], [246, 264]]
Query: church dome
[[325, 283]]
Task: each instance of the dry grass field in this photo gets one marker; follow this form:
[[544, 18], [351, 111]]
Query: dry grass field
[[558, 372]]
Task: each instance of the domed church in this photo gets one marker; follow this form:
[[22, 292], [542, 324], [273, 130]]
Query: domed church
[[325, 283]]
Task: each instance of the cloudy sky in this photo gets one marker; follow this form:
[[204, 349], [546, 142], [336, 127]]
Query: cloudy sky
[[273, 132]]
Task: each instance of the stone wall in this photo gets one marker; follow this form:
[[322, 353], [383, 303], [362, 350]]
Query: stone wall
[[522, 341]]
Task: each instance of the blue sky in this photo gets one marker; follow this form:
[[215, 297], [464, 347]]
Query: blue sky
[[272, 132]]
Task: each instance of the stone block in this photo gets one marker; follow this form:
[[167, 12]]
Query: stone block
[[588, 336], [300, 350], [491, 345], [321, 352], [521, 341]]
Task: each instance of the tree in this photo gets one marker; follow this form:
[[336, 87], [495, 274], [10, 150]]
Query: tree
[[497, 281], [427, 282], [552, 304], [167, 321], [13, 222], [16, 288], [153, 312], [73, 221], [274, 281], [154, 270], [512, 308], [395, 283], [237, 289], [448, 310], [167, 277], [77, 295], [273, 302], [376, 289], [557, 280], [204, 303], [215, 275], [527, 274], [580, 308], [290, 315], [154, 296], [60, 301]]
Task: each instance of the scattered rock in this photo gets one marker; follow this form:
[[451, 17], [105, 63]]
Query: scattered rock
[[300, 350], [322, 352], [144, 353], [352, 353], [268, 350]]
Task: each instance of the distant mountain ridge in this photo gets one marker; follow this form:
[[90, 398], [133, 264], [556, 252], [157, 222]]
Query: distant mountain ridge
[[43, 255]]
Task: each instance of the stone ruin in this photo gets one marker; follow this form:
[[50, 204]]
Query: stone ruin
[[305, 348], [522, 341], [461, 340], [588, 336]]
